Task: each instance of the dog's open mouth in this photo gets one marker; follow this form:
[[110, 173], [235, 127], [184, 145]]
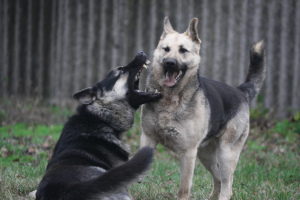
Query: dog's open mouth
[[172, 77], [135, 96], [137, 76]]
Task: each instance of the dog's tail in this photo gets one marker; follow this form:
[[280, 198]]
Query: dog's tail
[[256, 73], [118, 177]]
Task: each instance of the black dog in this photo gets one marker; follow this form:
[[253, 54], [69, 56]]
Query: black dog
[[90, 161]]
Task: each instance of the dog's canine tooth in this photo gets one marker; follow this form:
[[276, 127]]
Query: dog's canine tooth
[[145, 66], [179, 74], [147, 62]]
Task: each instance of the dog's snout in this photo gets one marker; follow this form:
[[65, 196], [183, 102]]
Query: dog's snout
[[141, 54], [170, 62]]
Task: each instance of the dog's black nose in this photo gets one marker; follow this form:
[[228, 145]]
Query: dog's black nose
[[141, 53], [170, 62]]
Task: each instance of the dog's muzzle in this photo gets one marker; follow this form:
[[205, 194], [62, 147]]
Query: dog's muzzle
[[172, 71]]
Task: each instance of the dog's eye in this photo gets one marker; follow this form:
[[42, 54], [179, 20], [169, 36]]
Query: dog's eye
[[122, 71], [182, 50], [167, 49]]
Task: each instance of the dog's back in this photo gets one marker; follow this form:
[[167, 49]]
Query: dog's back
[[224, 100]]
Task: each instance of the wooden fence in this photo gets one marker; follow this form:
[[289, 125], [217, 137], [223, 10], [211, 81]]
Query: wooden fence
[[53, 48]]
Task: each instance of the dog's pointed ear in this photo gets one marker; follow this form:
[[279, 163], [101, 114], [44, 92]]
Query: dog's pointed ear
[[192, 31], [167, 28], [85, 96]]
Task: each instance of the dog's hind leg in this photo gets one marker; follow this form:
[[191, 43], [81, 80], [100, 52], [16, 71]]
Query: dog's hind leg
[[228, 157], [187, 165], [208, 155]]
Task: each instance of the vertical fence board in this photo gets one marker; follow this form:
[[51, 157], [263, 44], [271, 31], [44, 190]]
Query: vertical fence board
[[4, 48], [52, 60], [16, 44], [91, 43], [243, 42], [268, 100], [102, 39], [282, 94], [230, 43], [28, 62], [296, 66], [217, 42], [204, 38], [40, 49]]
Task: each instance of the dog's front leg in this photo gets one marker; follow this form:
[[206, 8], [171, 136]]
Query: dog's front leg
[[187, 165], [147, 141]]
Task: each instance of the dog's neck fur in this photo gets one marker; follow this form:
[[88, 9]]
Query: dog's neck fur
[[118, 116]]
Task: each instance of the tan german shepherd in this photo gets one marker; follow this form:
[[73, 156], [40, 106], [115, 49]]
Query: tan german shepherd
[[198, 117]]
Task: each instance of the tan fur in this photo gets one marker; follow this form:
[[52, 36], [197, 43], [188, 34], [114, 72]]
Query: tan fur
[[180, 119]]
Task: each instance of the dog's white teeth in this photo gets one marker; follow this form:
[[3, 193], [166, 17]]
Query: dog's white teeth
[[146, 66], [147, 62], [179, 74]]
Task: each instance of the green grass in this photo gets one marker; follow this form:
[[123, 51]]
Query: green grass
[[269, 165]]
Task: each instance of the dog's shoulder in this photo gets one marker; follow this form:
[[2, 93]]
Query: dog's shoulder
[[85, 139]]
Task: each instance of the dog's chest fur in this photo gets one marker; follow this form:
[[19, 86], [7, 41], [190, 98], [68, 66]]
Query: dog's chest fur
[[179, 117]]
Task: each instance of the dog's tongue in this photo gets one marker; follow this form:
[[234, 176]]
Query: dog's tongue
[[170, 79]]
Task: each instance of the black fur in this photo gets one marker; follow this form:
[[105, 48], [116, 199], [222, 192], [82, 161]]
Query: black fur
[[224, 101], [90, 161], [256, 73], [86, 141]]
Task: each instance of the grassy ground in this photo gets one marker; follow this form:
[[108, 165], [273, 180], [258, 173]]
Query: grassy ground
[[269, 166]]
